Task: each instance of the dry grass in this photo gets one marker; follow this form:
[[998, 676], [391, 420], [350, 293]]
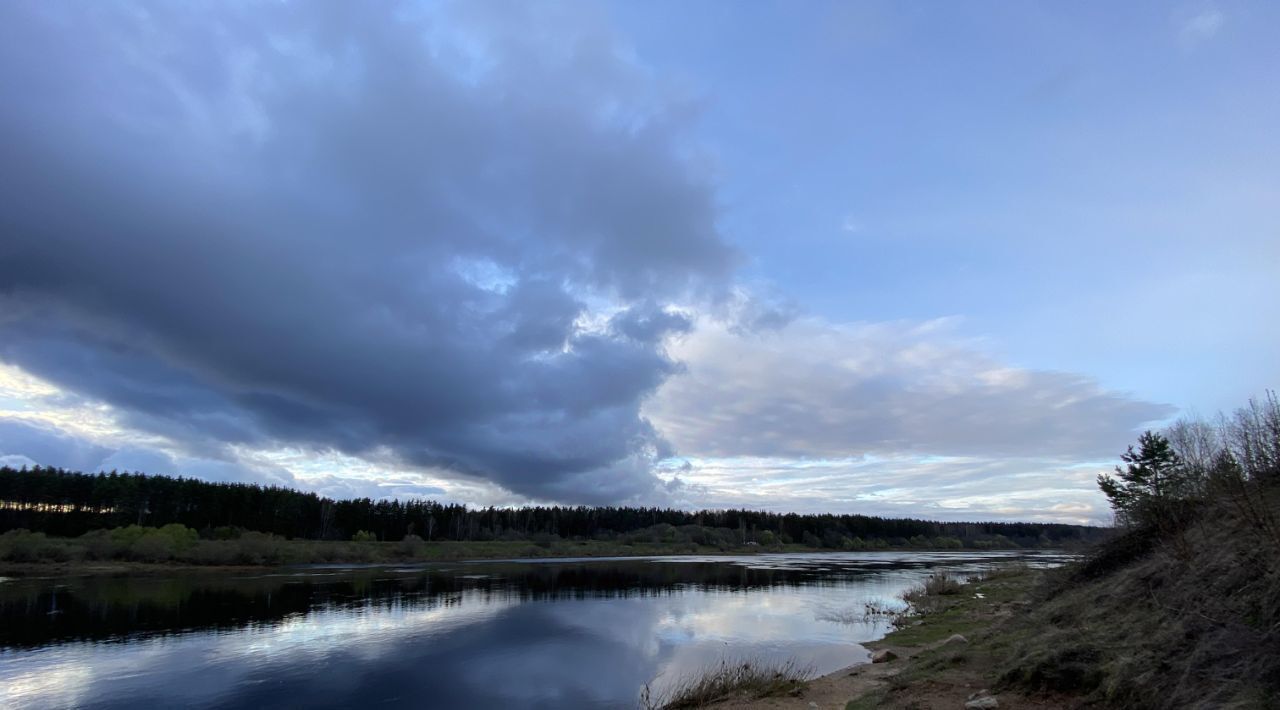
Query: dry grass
[[926, 596], [1151, 621], [729, 680]]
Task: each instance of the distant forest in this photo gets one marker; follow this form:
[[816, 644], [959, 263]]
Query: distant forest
[[69, 504]]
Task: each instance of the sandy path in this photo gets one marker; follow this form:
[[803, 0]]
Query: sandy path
[[832, 690]]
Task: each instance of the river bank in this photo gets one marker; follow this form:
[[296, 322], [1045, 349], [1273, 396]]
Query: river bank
[[1184, 616], [392, 635], [37, 555], [70, 556], [947, 655]]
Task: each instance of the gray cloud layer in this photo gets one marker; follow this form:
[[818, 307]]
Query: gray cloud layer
[[309, 224], [451, 241], [815, 389]]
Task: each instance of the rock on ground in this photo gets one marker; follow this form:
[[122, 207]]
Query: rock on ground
[[982, 700]]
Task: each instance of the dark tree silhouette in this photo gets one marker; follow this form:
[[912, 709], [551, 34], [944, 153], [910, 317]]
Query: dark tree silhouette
[[1152, 477], [67, 503]]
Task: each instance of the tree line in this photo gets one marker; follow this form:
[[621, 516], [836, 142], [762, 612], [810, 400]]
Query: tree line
[[68, 503]]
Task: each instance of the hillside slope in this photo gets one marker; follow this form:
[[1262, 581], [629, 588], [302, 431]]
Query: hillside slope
[[1189, 618]]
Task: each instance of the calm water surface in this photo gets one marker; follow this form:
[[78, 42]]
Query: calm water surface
[[559, 633]]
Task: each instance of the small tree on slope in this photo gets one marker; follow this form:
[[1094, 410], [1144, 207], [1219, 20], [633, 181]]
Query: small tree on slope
[[1153, 477]]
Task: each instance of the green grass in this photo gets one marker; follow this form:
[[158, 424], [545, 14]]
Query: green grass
[[959, 611], [945, 608], [138, 547], [101, 549]]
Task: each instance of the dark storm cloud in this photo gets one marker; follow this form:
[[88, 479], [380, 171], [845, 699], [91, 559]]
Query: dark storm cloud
[[649, 324], [327, 226]]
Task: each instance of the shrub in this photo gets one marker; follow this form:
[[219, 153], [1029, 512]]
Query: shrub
[[182, 537], [364, 536], [942, 584], [99, 545], [412, 546], [226, 532], [214, 552], [143, 544], [255, 548], [128, 535], [152, 547], [25, 546]]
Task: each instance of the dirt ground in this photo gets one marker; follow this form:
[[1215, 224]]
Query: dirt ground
[[834, 690], [872, 686]]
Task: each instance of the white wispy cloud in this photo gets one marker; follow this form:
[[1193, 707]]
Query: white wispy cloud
[[1201, 27], [818, 389], [893, 418]]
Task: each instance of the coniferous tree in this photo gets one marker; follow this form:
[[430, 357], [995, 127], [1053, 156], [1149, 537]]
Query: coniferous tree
[[1151, 478]]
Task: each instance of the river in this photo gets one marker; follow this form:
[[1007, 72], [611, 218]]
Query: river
[[571, 633]]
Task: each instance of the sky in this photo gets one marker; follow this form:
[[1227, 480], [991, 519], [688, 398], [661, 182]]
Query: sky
[[926, 259]]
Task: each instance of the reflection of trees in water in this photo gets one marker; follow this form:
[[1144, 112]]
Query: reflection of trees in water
[[116, 608]]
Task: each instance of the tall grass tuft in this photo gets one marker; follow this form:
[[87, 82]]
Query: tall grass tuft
[[728, 680], [926, 597], [940, 584]]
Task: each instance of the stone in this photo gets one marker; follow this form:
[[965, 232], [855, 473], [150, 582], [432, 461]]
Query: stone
[[883, 656], [982, 700]]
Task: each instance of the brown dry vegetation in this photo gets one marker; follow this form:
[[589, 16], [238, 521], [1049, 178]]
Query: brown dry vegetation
[[922, 598], [1189, 619], [1180, 610], [729, 681]]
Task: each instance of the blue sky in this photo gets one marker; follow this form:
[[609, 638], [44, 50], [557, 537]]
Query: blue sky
[[1060, 176], [932, 259]]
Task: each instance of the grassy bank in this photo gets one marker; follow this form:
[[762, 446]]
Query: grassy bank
[[140, 549], [1180, 610], [1189, 618], [25, 553], [954, 646]]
